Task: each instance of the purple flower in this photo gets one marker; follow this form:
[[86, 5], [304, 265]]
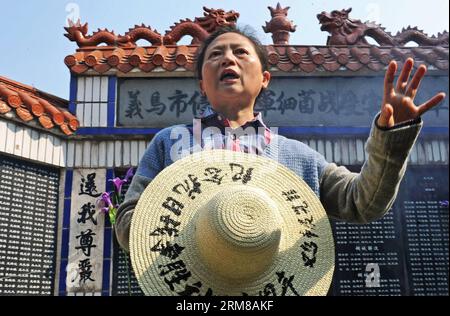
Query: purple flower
[[129, 174], [118, 184], [104, 209], [106, 198], [104, 202], [109, 201]]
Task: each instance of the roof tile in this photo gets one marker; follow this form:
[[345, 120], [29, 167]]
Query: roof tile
[[24, 114], [285, 58], [331, 66], [46, 121], [375, 66], [93, 58], [30, 103], [145, 67], [442, 64], [116, 57], [11, 96], [181, 56], [4, 108], [294, 56], [381, 55], [138, 56], [308, 66], [160, 56], [102, 68], [346, 50], [360, 54], [66, 130]]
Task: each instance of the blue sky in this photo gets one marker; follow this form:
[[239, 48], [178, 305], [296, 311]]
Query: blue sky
[[33, 47]]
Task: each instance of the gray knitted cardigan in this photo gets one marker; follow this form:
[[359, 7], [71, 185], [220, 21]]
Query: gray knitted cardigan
[[351, 197]]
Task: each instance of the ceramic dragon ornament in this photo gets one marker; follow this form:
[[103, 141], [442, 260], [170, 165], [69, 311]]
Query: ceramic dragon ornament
[[346, 31], [199, 29]]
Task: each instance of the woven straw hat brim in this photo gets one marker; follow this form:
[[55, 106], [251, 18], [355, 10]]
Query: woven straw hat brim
[[166, 264]]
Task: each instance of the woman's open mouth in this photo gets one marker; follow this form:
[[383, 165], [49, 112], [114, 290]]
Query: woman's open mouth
[[229, 76]]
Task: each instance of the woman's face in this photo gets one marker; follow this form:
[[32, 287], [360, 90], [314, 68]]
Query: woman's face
[[232, 74]]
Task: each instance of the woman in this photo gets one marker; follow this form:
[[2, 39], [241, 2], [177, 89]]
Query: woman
[[232, 71]]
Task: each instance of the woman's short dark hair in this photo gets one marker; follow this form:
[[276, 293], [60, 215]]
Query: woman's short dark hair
[[260, 50]]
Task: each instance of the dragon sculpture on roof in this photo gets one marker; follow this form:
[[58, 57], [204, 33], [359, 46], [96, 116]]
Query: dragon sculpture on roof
[[199, 29], [346, 31]]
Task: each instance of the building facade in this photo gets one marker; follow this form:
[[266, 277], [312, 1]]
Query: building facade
[[121, 94]]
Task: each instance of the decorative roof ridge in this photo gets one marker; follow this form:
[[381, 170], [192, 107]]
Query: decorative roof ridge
[[199, 29], [346, 47], [285, 57], [29, 104], [39, 93], [346, 31], [342, 29], [195, 46]]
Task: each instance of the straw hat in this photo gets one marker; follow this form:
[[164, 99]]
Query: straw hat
[[227, 223]]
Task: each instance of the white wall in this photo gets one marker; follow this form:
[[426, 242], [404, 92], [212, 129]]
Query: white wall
[[32, 144], [47, 148], [91, 101]]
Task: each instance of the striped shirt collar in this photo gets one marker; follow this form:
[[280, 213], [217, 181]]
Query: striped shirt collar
[[210, 117], [237, 139]]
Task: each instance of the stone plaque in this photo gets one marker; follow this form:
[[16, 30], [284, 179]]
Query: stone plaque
[[306, 101], [85, 263], [28, 222], [404, 253]]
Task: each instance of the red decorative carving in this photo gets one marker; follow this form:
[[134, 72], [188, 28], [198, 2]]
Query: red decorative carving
[[77, 33], [346, 31], [145, 33], [279, 26], [199, 29], [347, 46]]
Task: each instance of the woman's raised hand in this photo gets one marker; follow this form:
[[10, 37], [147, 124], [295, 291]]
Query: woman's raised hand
[[398, 102]]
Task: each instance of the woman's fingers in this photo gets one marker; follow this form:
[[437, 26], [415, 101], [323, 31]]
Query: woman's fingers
[[430, 103], [386, 118], [411, 91], [402, 97], [402, 80], [389, 79]]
